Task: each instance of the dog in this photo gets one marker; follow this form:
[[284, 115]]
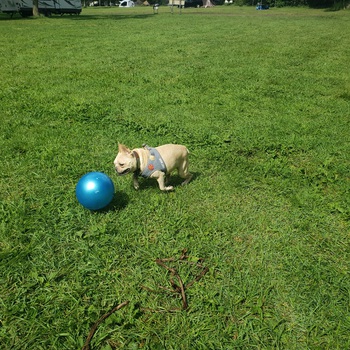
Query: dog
[[156, 163]]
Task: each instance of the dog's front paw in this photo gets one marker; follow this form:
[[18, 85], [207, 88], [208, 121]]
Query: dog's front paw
[[135, 182], [136, 185], [168, 188]]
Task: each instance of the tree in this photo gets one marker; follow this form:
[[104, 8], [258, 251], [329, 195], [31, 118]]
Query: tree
[[36, 8], [335, 4]]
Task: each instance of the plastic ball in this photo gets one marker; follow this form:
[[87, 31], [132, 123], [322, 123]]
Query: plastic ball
[[94, 190]]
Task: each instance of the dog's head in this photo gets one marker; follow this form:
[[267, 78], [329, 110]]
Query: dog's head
[[125, 161]]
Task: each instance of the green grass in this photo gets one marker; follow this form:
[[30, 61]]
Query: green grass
[[262, 101]]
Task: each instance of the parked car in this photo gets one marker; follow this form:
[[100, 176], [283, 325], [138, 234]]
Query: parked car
[[186, 3], [193, 3], [261, 6], [126, 3]]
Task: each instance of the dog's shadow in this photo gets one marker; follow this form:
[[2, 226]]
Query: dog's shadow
[[121, 199], [174, 180]]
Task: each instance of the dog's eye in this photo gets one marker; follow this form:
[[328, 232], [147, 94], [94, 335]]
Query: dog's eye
[[121, 164]]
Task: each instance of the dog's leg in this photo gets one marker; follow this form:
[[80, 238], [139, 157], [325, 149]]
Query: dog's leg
[[161, 181], [135, 181], [187, 179], [184, 173], [167, 178]]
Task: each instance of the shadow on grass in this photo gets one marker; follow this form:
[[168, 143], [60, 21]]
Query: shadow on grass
[[116, 16], [175, 181], [119, 202]]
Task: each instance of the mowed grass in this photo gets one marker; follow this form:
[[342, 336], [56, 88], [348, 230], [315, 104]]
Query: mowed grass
[[262, 101]]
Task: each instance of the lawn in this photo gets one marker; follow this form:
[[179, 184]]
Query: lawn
[[262, 101]]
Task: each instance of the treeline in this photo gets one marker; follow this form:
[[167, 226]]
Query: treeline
[[337, 4]]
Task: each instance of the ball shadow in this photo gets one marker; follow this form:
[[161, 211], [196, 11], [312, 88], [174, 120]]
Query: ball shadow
[[120, 201]]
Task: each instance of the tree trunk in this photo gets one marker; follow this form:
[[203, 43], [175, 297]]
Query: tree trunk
[[36, 8]]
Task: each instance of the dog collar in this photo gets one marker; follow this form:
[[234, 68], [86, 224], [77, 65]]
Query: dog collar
[[136, 155]]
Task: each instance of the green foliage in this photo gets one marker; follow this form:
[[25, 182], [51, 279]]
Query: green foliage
[[264, 110], [333, 4]]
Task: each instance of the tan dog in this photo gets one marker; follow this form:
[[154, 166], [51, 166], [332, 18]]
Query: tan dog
[[156, 163]]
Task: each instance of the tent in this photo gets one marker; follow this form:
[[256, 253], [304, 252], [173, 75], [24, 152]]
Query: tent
[[207, 3]]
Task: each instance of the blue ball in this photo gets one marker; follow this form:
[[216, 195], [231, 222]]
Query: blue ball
[[94, 190]]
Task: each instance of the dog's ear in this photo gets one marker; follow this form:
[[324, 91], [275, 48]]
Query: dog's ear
[[123, 149]]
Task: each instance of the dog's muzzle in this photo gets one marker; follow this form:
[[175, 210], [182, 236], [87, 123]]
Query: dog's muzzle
[[126, 171]]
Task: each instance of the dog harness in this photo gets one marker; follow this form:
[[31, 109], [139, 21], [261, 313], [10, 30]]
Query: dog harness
[[155, 162]]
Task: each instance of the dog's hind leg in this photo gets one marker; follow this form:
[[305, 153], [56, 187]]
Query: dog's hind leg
[[184, 173]]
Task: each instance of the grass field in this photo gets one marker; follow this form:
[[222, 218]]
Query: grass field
[[262, 101]]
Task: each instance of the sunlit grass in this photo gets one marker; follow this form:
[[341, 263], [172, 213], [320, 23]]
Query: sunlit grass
[[262, 101]]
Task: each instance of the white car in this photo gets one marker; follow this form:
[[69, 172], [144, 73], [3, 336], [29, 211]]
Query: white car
[[126, 3]]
